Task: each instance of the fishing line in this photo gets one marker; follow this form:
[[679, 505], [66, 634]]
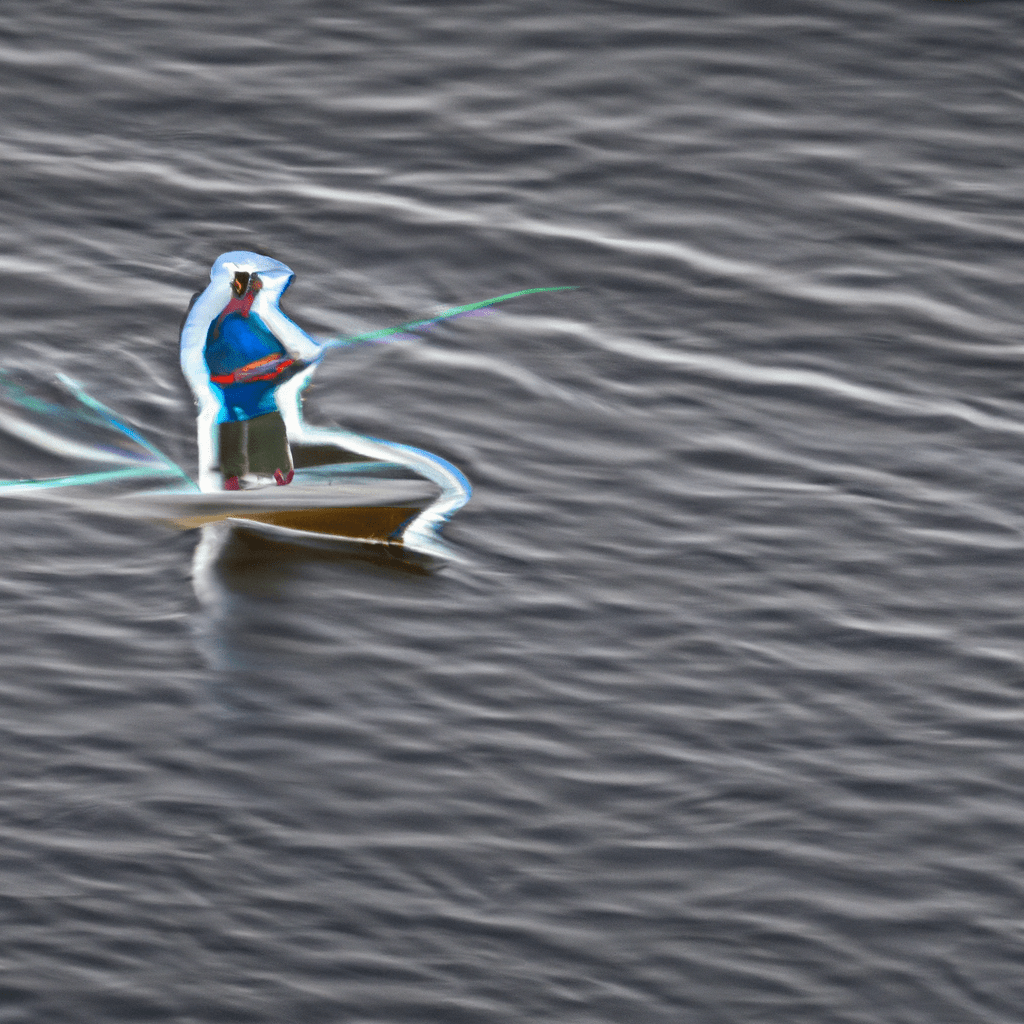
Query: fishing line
[[448, 313], [98, 407]]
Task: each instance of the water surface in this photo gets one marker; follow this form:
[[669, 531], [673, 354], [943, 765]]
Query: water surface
[[718, 719]]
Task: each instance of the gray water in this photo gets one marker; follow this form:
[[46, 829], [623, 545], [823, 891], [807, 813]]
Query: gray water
[[718, 715]]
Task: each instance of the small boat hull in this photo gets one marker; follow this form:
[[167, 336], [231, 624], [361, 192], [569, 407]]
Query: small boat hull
[[367, 510], [379, 523]]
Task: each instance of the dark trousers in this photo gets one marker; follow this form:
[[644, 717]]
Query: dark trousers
[[259, 445]]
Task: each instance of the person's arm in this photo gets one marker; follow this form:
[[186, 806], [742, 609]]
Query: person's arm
[[297, 343]]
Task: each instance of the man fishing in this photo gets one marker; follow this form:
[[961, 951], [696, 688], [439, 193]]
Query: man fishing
[[237, 347]]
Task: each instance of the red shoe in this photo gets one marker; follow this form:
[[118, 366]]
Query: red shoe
[[282, 479], [232, 484]]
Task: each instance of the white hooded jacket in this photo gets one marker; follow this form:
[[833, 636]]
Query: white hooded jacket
[[275, 278]]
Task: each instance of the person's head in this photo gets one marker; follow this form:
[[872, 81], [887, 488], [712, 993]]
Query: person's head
[[249, 271]]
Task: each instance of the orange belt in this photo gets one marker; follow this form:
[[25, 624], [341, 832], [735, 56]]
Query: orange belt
[[266, 368]]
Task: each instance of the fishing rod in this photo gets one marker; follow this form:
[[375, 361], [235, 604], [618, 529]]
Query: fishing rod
[[106, 476], [447, 314]]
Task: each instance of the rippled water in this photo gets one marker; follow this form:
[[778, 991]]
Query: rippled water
[[718, 718]]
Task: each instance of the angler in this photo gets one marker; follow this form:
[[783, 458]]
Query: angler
[[237, 347]]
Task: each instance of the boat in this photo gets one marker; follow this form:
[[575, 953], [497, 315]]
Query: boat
[[347, 489], [347, 501]]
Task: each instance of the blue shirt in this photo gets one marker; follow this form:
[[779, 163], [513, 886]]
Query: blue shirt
[[236, 341]]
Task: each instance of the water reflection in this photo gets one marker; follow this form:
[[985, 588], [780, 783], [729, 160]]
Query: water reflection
[[241, 580]]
